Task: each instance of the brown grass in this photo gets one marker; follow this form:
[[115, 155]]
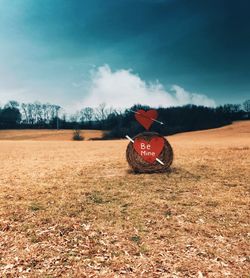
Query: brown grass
[[46, 134], [71, 209]]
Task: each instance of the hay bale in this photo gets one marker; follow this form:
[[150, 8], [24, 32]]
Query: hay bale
[[139, 165]]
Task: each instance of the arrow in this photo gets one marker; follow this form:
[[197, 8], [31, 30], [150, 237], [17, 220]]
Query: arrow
[[132, 141], [146, 117]]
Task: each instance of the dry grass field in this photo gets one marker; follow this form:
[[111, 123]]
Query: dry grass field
[[46, 134], [73, 209]]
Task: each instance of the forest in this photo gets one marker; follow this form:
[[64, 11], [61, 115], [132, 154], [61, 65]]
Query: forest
[[118, 122]]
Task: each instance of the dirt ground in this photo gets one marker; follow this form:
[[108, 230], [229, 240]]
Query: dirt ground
[[73, 209]]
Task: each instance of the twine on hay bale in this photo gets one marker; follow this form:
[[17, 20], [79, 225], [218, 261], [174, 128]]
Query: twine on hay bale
[[139, 165]]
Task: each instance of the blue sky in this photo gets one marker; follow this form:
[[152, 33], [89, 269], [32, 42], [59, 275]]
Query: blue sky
[[70, 52]]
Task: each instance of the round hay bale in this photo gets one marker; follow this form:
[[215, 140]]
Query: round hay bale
[[139, 165]]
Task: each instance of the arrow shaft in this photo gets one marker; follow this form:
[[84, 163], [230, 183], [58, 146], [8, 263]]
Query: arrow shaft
[[157, 121], [130, 139], [147, 117]]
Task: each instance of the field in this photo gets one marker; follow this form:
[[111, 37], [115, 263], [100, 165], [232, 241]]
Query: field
[[73, 209], [45, 135]]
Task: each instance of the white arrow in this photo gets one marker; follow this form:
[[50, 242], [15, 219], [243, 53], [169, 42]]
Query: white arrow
[[146, 117], [131, 140]]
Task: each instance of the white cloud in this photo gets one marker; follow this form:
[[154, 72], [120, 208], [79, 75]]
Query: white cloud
[[123, 88], [183, 97], [119, 89]]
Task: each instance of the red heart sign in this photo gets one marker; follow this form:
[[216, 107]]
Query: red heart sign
[[146, 118], [149, 151]]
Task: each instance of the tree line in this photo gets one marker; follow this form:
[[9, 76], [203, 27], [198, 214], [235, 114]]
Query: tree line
[[118, 123]]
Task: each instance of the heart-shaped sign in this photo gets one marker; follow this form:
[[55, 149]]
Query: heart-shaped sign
[[149, 151], [146, 118]]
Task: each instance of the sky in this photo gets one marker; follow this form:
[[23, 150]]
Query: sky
[[121, 52]]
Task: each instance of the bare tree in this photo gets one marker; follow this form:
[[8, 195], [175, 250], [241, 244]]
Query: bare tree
[[232, 108], [101, 112], [81, 116], [87, 113], [38, 112], [77, 117], [31, 113], [45, 111], [246, 105], [24, 111], [12, 104]]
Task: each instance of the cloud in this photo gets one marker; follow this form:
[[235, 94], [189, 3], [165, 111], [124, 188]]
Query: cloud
[[123, 88], [183, 97]]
